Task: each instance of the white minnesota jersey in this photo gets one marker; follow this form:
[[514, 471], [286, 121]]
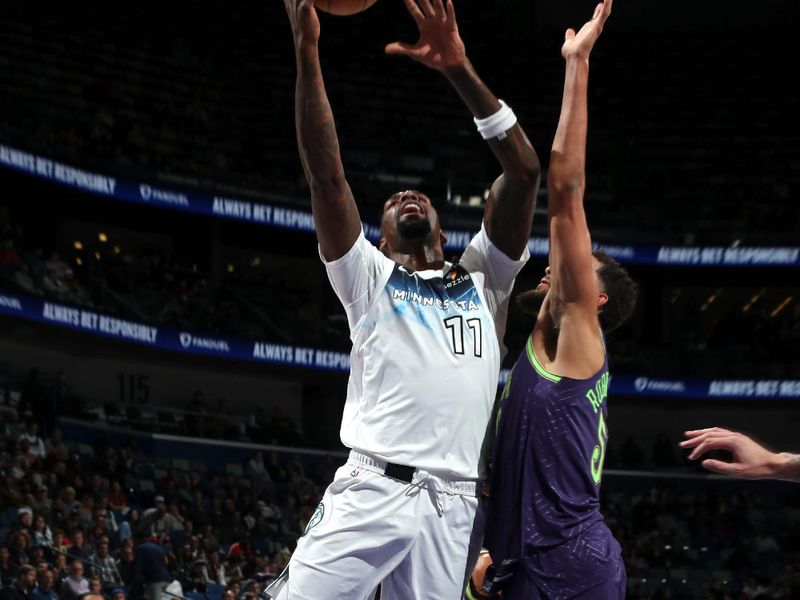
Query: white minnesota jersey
[[426, 354]]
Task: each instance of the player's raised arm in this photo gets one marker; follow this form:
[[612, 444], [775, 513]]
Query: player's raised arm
[[509, 211], [335, 213], [575, 286]]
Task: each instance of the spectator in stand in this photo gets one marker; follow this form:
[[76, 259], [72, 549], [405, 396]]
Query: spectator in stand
[[150, 572], [276, 471], [41, 566], [42, 503], [71, 504], [19, 548], [59, 545], [24, 519], [296, 470], [24, 281], [41, 531], [9, 257], [256, 467], [45, 588], [118, 594], [213, 571], [105, 517], [60, 568], [13, 428], [126, 565], [232, 568], [106, 566], [198, 553], [7, 571], [19, 469], [95, 585], [86, 513], [158, 520], [24, 452], [35, 443], [59, 278], [76, 584], [79, 551], [56, 450], [26, 580], [117, 500], [38, 554]]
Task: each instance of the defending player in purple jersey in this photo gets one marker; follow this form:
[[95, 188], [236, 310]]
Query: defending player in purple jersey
[[544, 530]]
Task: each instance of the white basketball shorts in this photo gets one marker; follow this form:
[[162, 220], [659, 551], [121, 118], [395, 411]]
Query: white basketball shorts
[[370, 529]]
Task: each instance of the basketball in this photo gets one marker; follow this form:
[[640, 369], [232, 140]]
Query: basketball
[[344, 7]]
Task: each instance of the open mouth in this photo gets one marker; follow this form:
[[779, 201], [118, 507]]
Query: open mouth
[[411, 208]]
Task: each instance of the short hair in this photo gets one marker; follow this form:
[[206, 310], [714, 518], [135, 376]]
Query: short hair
[[622, 292], [24, 570]]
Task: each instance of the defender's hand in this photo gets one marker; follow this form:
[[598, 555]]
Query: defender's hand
[[579, 45], [750, 460], [440, 45], [304, 21]]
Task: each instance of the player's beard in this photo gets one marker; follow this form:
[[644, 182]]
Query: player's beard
[[530, 302], [414, 229]]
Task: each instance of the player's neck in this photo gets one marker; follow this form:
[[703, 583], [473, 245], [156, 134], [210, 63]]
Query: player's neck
[[421, 258]]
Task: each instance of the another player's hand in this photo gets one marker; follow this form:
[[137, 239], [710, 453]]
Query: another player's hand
[[440, 45], [579, 45], [304, 21], [750, 460]]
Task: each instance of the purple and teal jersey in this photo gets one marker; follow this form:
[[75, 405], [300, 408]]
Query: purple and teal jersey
[[546, 469]]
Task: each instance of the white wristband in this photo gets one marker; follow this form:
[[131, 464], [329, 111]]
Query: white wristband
[[496, 125]]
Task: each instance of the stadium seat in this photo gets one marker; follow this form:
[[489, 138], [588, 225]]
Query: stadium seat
[[214, 591]]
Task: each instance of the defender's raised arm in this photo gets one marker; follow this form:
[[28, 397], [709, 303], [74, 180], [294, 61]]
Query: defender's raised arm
[[335, 213], [509, 211], [575, 287]]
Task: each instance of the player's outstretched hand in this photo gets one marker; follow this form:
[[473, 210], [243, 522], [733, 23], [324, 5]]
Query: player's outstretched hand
[[750, 460], [440, 45], [304, 21], [579, 45]]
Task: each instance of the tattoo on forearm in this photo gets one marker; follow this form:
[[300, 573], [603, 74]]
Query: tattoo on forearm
[[319, 144]]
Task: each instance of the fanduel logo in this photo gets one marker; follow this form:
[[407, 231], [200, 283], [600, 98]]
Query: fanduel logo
[[150, 193], [189, 341], [643, 384]]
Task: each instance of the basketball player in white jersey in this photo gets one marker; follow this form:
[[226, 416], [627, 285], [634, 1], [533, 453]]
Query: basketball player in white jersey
[[426, 340]]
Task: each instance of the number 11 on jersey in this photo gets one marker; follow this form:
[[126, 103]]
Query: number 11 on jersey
[[455, 325]]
